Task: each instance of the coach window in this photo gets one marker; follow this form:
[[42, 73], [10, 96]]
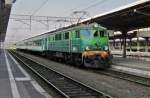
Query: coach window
[[38, 42], [49, 38], [67, 35], [56, 37], [77, 34], [63, 36], [53, 38], [59, 36]]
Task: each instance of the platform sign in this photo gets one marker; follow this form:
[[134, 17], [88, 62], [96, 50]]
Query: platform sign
[[143, 34]]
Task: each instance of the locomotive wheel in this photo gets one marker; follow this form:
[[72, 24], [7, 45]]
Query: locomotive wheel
[[85, 63]]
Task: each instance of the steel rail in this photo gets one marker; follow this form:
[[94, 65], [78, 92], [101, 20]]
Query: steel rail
[[126, 76], [66, 86]]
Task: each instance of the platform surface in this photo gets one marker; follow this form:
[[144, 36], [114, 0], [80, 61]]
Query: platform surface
[[15, 82], [132, 63], [132, 66]]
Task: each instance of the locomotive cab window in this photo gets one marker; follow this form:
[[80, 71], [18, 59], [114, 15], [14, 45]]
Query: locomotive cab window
[[95, 34], [100, 33]]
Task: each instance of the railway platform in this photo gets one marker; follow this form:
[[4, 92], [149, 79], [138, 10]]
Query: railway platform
[[15, 82], [131, 65]]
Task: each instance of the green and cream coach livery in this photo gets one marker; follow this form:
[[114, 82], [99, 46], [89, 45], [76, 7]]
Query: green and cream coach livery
[[85, 45]]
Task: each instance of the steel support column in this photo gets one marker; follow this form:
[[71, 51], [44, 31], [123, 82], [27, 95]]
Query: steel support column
[[124, 33]]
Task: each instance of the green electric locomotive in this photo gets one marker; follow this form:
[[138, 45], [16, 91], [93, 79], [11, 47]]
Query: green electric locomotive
[[85, 45]]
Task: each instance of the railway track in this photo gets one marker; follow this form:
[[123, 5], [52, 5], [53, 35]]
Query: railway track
[[65, 86], [125, 76]]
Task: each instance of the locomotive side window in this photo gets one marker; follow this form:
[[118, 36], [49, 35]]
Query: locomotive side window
[[67, 35], [58, 37], [77, 34]]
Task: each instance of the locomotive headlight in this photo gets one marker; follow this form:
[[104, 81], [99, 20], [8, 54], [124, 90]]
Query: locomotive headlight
[[74, 49], [96, 25], [106, 47], [87, 48]]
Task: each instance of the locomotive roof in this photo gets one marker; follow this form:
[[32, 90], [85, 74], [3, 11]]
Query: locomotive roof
[[64, 29]]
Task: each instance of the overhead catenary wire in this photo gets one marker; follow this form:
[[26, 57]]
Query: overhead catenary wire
[[37, 10], [45, 1], [84, 10], [39, 7]]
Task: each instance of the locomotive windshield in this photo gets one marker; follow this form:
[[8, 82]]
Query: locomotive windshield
[[87, 33], [100, 33]]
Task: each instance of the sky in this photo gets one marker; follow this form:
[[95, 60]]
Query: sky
[[18, 31]]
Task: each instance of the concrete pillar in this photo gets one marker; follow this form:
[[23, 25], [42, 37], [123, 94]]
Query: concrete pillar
[[0, 41], [138, 44], [130, 44], [124, 33], [0, 47], [147, 44], [114, 43], [120, 44]]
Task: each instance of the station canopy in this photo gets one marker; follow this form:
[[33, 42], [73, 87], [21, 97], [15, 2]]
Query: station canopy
[[129, 17], [5, 9]]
